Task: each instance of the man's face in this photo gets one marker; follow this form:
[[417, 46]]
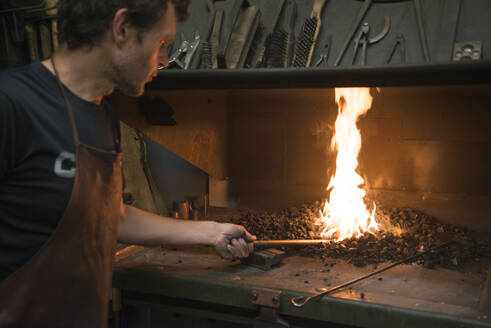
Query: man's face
[[141, 56]]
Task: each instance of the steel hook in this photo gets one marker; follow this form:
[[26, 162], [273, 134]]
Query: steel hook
[[299, 301]]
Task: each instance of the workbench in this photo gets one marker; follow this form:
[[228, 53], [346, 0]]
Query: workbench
[[195, 281]]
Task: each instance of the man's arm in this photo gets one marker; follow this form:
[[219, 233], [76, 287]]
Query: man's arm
[[144, 228]]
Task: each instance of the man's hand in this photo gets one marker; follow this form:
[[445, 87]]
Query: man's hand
[[144, 228], [233, 241]]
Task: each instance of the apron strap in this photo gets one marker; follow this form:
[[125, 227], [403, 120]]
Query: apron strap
[[115, 124]]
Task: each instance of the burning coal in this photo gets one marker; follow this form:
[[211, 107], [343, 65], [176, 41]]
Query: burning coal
[[345, 214]]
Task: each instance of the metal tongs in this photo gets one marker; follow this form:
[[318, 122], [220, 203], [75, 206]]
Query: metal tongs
[[183, 56], [363, 40], [300, 301]]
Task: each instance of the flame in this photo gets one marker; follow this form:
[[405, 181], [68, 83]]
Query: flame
[[345, 214]]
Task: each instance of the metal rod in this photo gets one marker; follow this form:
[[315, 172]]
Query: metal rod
[[289, 243], [300, 301]]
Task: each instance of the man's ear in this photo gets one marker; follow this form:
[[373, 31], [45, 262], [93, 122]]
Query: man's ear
[[119, 28]]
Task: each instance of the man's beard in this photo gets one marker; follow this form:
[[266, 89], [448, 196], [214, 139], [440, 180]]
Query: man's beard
[[131, 90], [129, 87]]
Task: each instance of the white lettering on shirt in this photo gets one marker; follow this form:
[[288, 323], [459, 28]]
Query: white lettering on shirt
[[65, 165]]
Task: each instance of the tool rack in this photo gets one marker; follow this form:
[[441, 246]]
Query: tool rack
[[423, 46]]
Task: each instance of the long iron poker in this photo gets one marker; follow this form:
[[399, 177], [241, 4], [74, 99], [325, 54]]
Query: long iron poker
[[289, 243], [300, 301]]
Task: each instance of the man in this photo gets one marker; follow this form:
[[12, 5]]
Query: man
[[60, 167]]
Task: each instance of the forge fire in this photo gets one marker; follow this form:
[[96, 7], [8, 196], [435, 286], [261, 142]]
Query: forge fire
[[345, 214], [357, 234]]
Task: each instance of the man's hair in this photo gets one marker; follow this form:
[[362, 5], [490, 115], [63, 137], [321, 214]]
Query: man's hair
[[83, 23]]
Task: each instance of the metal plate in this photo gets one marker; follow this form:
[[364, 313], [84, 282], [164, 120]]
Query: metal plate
[[266, 297]]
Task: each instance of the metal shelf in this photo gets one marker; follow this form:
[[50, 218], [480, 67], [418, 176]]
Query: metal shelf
[[476, 72]]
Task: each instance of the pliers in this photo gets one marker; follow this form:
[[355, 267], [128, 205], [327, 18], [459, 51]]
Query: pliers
[[364, 40], [325, 54], [183, 56]]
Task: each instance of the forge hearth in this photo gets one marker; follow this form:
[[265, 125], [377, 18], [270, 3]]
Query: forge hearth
[[425, 160], [404, 232]]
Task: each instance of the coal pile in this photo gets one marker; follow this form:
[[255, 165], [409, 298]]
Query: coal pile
[[406, 232]]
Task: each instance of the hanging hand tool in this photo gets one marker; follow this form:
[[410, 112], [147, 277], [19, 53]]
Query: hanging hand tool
[[256, 42], [32, 42], [17, 20], [51, 11], [193, 45], [325, 55], [210, 6], [232, 14], [322, 60], [206, 56], [183, 56], [361, 15], [449, 21], [300, 301], [13, 27], [304, 48], [421, 29], [45, 38], [278, 52], [215, 37], [261, 60], [399, 43], [364, 40], [241, 38], [288, 27]]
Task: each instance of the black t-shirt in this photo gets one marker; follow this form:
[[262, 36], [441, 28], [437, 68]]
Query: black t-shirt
[[37, 157]]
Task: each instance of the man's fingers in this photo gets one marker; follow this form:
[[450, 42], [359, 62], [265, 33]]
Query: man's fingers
[[249, 237], [246, 235], [250, 247], [227, 253], [238, 231], [238, 241], [234, 251], [243, 248], [238, 248]]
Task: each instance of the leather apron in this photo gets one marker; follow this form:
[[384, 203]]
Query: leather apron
[[67, 282]]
